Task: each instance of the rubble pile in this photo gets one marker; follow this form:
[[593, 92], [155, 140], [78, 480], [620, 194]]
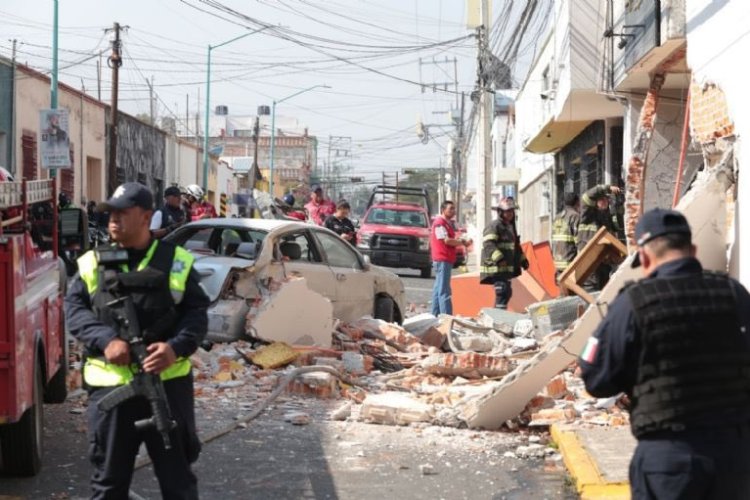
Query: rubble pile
[[428, 371]]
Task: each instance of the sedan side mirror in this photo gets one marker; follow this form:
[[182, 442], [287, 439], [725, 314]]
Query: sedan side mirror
[[355, 221]]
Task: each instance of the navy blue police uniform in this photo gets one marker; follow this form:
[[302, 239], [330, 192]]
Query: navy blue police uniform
[[676, 343], [171, 305]]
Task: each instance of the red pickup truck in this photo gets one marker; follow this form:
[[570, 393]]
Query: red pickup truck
[[395, 232]]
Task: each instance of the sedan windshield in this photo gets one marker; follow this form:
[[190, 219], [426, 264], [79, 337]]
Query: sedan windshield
[[409, 218]]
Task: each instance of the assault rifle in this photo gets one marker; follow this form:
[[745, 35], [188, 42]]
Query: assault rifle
[[147, 385]]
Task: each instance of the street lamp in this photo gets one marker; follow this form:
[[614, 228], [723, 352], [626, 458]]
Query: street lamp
[[273, 127], [208, 99]]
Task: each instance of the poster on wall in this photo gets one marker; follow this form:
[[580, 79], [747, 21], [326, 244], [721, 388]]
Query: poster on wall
[[55, 143]]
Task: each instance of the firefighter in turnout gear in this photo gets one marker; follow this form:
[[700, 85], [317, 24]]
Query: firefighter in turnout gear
[[564, 233], [502, 257], [677, 343], [595, 214], [170, 308]]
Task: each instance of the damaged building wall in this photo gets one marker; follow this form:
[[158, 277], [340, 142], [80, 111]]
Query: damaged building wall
[[716, 45], [140, 153], [664, 153]]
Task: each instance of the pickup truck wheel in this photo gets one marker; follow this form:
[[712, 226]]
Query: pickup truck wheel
[[384, 308], [21, 443], [425, 272]]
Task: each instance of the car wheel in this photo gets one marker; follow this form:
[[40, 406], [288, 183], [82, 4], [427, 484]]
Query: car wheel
[[384, 309], [21, 443], [425, 272]]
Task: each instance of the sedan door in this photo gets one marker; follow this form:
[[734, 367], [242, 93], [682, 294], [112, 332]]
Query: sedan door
[[355, 286], [303, 258]]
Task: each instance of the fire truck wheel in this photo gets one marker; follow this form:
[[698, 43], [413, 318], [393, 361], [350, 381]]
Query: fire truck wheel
[[21, 443], [57, 389], [384, 309]]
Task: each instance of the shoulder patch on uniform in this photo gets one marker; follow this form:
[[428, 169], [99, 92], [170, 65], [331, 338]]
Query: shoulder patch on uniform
[[178, 266]]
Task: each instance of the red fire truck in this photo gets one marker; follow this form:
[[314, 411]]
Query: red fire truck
[[33, 361]]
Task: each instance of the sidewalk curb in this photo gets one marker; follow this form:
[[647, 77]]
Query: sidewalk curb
[[588, 481]]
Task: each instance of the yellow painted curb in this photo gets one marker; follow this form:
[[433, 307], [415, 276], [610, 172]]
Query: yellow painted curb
[[589, 482]]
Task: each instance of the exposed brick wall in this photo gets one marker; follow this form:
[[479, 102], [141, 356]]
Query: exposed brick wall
[[709, 113]]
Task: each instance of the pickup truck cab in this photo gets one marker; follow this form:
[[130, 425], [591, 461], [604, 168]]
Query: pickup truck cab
[[396, 232]]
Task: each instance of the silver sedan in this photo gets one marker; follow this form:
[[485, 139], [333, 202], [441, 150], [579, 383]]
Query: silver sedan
[[238, 258]]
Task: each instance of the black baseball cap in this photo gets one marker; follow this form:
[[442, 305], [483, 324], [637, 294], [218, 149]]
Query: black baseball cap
[[315, 188], [658, 222], [172, 191], [130, 194]]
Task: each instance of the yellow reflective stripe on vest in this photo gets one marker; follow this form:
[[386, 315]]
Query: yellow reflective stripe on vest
[[178, 276], [88, 269], [489, 237], [496, 255], [561, 264], [588, 227], [507, 246], [495, 269], [99, 373], [565, 238]]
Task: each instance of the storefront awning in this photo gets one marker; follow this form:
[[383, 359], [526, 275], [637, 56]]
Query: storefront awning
[[555, 135]]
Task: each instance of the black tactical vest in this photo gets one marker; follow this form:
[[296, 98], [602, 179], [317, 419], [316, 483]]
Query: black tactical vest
[[171, 216], [154, 304], [694, 363]]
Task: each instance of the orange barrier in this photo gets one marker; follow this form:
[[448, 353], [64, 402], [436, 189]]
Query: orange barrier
[[469, 297], [542, 266]]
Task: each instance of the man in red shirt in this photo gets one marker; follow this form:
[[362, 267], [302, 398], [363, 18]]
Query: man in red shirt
[[199, 208], [318, 208], [443, 243]]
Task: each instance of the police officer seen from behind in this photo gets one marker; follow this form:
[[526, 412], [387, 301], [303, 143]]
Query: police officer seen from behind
[[595, 214], [171, 308], [340, 223], [565, 233], [502, 257], [170, 216], [677, 344]]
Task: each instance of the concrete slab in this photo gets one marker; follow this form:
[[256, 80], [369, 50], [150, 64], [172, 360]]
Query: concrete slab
[[294, 314]]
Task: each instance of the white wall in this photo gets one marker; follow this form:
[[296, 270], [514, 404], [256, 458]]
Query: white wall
[[718, 45]]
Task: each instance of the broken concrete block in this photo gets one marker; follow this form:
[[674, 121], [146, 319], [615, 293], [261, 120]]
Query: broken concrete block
[[551, 416], [520, 344], [467, 364], [523, 328], [500, 320], [274, 355], [319, 384], [470, 342], [342, 412], [395, 408], [556, 388], [427, 470], [416, 325], [390, 331], [297, 418], [294, 314]]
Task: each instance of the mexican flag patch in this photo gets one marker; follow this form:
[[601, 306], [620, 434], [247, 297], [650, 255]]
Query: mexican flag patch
[[589, 351]]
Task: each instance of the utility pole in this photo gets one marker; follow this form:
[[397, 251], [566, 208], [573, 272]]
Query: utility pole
[[484, 170], [187, 117], [458, 156], [114, 61], [150, 84], [99, 78], [53, 79], [256, 140], [13, 169]]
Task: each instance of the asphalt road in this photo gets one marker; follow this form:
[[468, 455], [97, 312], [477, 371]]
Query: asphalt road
[[272, 459]]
